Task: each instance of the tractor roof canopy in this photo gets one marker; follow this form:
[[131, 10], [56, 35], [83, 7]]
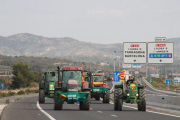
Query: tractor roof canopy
[[71, 68], [97, 74]]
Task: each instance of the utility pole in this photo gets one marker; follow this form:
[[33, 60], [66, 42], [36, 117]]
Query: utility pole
[[114, 60]]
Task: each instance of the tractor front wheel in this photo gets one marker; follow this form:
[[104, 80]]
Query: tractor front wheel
[[120, 105], [117, 95], [85, 105], [41, 96], [142, 96], [57, 105], [106, 97]]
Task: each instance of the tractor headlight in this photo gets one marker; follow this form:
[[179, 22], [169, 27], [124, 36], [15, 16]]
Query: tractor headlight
[[136, 94], [128, 94]]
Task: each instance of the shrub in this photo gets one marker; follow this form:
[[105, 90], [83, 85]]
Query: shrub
[[36, 91], [7, 101], [21, 92], [11, 93], [4, 94]]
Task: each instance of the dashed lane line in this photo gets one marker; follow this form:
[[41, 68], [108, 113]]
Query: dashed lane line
[[100, 111], [114, 115], [49, 116]]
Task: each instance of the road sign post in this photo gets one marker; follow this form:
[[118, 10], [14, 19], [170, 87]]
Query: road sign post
[[168, 82], [160, 52], [160, 39], [116, 78], [134, 52], [150, 80], [150, 76], [2, 86]]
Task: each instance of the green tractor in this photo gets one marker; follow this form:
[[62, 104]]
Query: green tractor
[[99, 87], [71, 88], [134, 93], [47, 85]]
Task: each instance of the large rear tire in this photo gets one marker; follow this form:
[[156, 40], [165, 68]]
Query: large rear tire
[[85, 105], [57, 105], [106, 97], [41, 96], [117, 95]]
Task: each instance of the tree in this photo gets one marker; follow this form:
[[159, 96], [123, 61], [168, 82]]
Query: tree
[[23, 77]]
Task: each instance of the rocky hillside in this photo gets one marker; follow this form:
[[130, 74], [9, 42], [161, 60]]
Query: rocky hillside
[[33, 45]]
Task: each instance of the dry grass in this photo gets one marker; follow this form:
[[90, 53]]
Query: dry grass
[[33, 86]]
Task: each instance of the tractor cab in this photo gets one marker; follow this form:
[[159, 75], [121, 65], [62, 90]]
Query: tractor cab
[[97, 80], [71, 79]]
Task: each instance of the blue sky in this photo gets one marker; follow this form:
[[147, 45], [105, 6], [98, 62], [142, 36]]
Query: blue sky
[[97, 21]]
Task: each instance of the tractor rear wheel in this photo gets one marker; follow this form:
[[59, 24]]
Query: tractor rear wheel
[[117, 95], [85, 105], [142, 96], [41, 96], [57, 105], [106, 97], [120, 105]]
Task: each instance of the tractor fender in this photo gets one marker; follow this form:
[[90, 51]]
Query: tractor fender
[[41, 85]]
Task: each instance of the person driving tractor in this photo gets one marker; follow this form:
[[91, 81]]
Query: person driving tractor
[[131, 80]]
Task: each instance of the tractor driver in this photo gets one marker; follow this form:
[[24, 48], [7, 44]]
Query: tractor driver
[[71, 75], [131, 80]]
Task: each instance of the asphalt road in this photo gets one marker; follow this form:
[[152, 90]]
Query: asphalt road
[[27, 109]]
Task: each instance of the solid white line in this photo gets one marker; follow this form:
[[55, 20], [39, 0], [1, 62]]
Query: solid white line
[[49, 116], [114, 115], [155, 112]]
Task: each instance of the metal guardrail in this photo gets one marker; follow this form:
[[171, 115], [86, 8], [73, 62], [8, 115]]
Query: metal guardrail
[[178, 90], [165, 91]]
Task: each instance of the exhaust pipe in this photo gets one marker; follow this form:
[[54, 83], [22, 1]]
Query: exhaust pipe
[[58, 76]]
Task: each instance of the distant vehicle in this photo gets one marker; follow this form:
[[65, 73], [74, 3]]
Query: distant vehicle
[[99, 87], [47, 85]]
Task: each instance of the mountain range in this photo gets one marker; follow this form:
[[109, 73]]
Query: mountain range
[[26, 44]]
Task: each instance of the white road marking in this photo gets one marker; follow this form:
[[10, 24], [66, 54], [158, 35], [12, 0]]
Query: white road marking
[[155, 112], [114, 115], [100, 111], [49, 116]]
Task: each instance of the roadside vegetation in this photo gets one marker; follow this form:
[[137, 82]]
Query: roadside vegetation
[[159, 83]]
